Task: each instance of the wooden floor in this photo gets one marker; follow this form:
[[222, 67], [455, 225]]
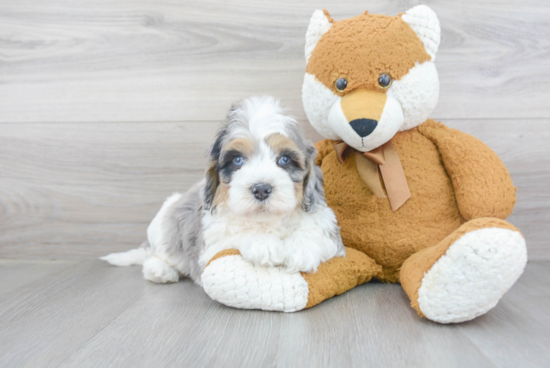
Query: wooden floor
[[89, 314]]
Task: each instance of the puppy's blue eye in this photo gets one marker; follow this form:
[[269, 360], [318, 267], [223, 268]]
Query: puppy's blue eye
[[284, 160], [238, 161]]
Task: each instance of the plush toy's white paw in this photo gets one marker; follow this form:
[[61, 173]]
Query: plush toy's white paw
[[238, 283], [156, 270], [472, 276]]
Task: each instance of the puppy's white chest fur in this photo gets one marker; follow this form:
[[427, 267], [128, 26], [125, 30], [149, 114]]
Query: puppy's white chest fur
[[298, 242], [223, 225]]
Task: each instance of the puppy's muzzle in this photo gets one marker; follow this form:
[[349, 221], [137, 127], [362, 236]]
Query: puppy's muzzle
[[261, 191]]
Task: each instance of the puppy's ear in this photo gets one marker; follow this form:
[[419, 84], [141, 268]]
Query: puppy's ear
[[212, 176], [314, 194]]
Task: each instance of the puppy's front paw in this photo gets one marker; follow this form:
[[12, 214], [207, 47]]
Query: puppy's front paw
[[263, 249], [302, 254]]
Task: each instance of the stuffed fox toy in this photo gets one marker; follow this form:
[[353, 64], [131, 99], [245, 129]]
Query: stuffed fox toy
[[418, 203]]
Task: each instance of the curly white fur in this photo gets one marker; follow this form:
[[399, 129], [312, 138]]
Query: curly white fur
[[297, 242], [292, 228]]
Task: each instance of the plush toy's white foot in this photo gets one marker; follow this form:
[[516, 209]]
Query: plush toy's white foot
[[156, 270], [472, 275], [235, 282]]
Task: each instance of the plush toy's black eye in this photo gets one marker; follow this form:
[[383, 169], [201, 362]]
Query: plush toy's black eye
[[284, 160], [384, 81], [238, 161], [341, 84]]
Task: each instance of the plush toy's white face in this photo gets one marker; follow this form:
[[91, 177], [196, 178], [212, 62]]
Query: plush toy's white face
[[370, 76]]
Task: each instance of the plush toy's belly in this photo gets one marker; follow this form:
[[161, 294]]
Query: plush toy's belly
[[368, 223]]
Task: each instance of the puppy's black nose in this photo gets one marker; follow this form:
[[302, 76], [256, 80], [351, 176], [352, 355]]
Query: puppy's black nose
[[363, 127], [261, 191]]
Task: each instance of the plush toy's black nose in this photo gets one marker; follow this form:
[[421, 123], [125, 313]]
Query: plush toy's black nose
[[261, 191], [363, 127]]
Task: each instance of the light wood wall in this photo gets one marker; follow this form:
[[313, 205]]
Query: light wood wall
[[107, 107]]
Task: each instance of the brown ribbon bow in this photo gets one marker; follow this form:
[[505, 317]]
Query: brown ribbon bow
[[386, 159]]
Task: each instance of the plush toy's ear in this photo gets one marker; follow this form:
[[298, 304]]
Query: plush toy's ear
[[319, 24], [424, 22]]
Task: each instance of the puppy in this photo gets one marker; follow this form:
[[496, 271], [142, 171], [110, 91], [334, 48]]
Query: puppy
[[262, 195]]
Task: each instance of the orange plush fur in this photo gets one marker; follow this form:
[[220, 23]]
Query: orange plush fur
[[436, 207], [362, 47], [458, 186], [452, 176]]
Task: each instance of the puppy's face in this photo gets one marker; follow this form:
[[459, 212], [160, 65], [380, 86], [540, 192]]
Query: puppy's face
[[262, 177], [257, 170]]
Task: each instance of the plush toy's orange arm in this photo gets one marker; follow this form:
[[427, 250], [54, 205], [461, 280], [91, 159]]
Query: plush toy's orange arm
[[340, 274], [482, 184], [231, 280]]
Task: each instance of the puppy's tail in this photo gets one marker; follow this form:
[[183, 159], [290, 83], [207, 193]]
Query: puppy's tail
[[129, 258]]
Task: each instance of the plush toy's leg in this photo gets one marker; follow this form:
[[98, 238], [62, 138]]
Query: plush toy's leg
[[467, 273], [233, 281]]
